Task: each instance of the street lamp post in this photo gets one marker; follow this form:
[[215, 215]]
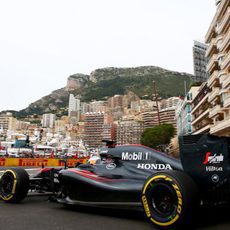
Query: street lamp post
[[156, 99]]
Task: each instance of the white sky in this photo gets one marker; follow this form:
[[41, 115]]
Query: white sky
[[43, 42]]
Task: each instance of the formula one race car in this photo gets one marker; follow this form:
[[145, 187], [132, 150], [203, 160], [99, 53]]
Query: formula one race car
[[168, 190]]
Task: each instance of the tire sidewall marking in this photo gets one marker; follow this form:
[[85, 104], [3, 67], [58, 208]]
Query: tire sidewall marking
[[179, 199]]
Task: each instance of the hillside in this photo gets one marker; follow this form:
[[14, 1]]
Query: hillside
[[110, 81], [106, 82]]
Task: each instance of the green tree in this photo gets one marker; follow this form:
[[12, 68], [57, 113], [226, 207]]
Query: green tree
[[157, 136]]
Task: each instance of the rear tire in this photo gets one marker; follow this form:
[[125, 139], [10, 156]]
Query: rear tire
[[14, 185], [169, 199]]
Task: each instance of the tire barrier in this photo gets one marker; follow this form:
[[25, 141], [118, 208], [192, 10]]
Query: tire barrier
[[39, 162]]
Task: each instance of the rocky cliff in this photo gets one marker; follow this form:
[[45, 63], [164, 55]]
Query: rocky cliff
[[76, 81]]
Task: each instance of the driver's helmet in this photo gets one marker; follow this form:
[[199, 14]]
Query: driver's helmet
[[109, 155], [94, 160]]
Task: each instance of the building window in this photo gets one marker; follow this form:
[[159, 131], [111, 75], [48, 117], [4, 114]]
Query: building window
[[189, 128], [189, 96], [189, 108]]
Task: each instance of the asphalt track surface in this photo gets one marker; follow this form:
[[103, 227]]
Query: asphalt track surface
[[37, 213]]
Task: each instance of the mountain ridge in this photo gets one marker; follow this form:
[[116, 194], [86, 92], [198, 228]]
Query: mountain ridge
[[106, 82]]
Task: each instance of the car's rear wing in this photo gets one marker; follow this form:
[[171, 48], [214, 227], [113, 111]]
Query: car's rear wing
[[206, 158]]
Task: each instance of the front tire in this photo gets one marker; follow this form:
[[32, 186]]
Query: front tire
[[169, 199], [14, 185]]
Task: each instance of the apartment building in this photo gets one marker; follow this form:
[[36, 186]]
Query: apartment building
[[200, 62], [183, 112], [129, 132], [115, 101], [7, 122], [169, 102], [85, 108], [74, 107], [93, 129], [61, 125], [211, 108], [201, 122], [149, 118], [48, 120], [22, 126], [109, 132], [98, 106], [98, 126], [167, 116], [219, 69], [168, 111]]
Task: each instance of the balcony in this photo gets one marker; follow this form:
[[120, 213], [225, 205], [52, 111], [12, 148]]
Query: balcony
[[219, 40], [225, 43], [221, 127], [226, 82], [222, 76], [200, 102], [224, 24], [200, 117], [213, 79], [213, 63], [226, 62], [226, 103], [211, 48], [201, 97], [211, 31], [204, 129], [214, 111], [213, 94]]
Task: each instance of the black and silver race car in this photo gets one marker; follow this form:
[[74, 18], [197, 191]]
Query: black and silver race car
[[168, 190]]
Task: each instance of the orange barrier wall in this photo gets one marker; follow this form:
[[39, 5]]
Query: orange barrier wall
[[38, 162]]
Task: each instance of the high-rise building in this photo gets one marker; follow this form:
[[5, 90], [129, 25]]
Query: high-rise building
[[211, 107], [129, 132], [115, 101], [200, 62], [61, 124], [166, 114], [148, 112], [48, 120], [169, 102], [22, 125], [7, 122], [74, 107], [218, 37], [109, 132], [93, 129], [200, 111], [149, 118], [85, 107], [97, 128], [98, 106], [183, 112]]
